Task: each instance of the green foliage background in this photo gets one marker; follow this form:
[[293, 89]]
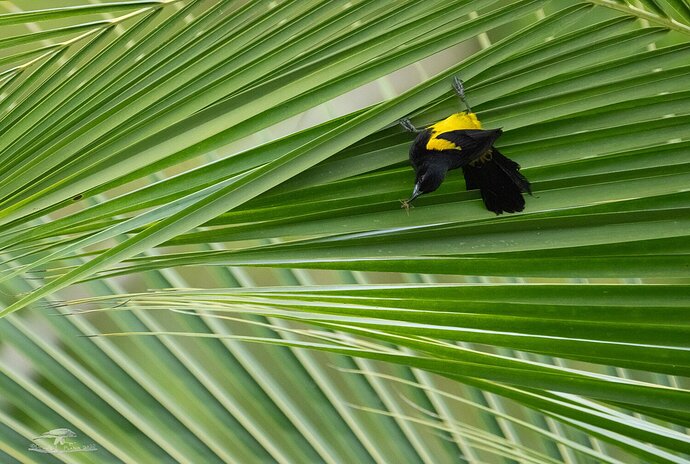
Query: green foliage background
[[209, 190]]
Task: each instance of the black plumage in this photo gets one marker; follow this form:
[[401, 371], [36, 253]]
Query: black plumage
[[458, 142]]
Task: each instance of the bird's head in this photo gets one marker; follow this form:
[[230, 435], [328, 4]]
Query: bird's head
[[429, 178]]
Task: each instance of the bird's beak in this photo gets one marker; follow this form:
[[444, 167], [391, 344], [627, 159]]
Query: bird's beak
[[415, 193]]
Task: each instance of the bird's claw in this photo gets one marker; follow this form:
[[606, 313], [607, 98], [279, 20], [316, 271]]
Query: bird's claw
[[459, 88], [407, 125]]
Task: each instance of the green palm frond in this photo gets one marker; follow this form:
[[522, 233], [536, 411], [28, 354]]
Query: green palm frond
[[617, 325]]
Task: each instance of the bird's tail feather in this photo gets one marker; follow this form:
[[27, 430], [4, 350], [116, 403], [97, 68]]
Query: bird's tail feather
[[500, 183]]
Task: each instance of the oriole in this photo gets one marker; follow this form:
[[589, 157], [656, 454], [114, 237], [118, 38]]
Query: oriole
[[460, 142]]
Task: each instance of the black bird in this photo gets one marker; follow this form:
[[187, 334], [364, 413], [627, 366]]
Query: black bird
[[460, 142]]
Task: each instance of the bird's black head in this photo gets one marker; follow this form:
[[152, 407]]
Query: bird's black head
[[429, 178]]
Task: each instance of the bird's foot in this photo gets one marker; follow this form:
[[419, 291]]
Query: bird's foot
[[459, 88], [408, 126], [485, 157]]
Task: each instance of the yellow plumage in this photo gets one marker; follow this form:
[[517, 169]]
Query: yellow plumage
[[457, 121]]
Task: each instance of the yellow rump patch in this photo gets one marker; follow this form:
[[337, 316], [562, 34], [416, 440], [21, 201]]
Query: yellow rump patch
[[457, 121]]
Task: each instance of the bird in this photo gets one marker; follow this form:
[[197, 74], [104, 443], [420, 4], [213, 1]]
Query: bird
[[459, 141]]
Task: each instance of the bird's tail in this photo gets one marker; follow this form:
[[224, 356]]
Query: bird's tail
[[500, 183]]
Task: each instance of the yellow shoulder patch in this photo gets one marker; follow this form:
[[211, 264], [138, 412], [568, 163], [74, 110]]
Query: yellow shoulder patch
[[457, 121]]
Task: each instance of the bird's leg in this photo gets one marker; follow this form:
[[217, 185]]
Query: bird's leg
[[408, 126], [460, 90], [488, 155]]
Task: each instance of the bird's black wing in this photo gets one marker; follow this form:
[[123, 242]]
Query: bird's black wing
[[472, 142]]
